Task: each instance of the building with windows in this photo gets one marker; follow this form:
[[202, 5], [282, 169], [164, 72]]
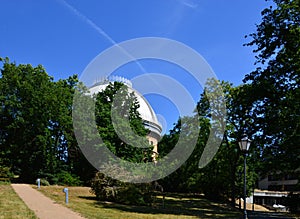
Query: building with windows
[[274, 189], [278, 182]]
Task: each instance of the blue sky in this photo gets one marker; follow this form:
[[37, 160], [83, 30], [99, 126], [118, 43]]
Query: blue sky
[[64, 36]]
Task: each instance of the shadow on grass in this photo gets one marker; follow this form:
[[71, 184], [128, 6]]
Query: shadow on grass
[[269, 215], [88, 197], [176, 204]]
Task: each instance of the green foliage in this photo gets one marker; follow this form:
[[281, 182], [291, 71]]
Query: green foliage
[[222, 177], [184, 179], [275, 86], [61, 178], [44, 182], [5, 174], [116, 111], [36, 125], [108, 189], [68, 179], [122, 131]]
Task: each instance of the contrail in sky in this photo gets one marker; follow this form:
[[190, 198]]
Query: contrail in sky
[[108, 38], [189, 3], [99, 30]]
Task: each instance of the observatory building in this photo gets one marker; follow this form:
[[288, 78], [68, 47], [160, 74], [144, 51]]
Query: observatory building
[[146, 112]]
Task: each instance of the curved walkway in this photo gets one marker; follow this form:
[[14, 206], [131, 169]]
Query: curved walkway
[[43, 207]]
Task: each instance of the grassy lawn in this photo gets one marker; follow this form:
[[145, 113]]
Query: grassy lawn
[[176, 206], [11, 206]]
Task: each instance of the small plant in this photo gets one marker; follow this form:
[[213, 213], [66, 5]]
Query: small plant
[[5, 174], [44, 182]]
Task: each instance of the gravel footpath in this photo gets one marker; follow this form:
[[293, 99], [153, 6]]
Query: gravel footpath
[[43, 207]]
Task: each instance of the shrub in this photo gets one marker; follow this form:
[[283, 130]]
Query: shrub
[[61, 178], [5, 174], [104, 188], [46, 178], [44, 182], [108, 189], [66, 178], [136, 194]]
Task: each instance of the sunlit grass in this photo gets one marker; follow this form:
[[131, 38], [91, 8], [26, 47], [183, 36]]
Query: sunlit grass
[[11, 206], [176, 206]]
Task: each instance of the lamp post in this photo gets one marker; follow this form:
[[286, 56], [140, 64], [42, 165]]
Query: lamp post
[[244, 144]]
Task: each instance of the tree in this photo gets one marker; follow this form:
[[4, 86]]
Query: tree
[[185, 178], [222, 177], [24, 117], [36, 124], [116, 105], [122, 131], [36, 131], [275, 85], [223, 174]]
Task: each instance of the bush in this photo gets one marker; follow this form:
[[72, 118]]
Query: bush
[[61, 178], [5, 174], [104, 188], [44, 182], [108, 189], [66, 178]]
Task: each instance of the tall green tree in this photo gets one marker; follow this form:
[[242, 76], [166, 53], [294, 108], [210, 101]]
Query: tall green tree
[[222, 177], [119, 123], [223, 173], [36, 125], [275, 85], [189, 131], [111, 114], [122, 131]]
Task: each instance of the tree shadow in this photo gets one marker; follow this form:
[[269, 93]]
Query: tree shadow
[[176, 204], [93, 198], [265, 215]]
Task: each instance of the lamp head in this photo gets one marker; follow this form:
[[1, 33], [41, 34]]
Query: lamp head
[[244, 143]]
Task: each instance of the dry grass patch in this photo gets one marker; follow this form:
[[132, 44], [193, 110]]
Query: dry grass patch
[[11, 206], [176, 206]]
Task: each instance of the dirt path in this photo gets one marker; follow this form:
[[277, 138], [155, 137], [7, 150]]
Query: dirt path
[[43, 207], [256, 207]]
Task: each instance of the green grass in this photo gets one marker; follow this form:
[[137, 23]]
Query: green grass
[[176, 206], [11, 206]]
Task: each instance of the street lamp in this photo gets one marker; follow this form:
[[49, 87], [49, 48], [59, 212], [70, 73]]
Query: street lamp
[[244, 144]]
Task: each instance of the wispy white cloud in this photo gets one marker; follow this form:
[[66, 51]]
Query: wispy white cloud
[[189, 3]]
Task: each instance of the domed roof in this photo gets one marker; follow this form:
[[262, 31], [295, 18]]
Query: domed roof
[[146, 112]]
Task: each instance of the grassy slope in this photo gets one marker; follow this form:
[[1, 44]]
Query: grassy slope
[[176, 206], [11, 206]]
